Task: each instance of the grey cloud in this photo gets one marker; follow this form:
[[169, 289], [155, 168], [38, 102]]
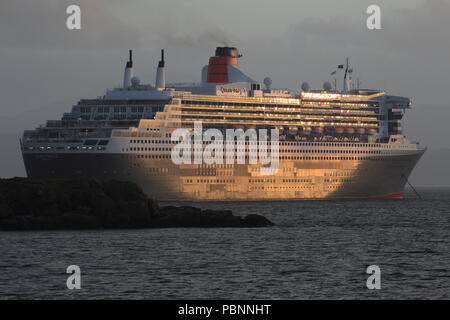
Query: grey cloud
[[409, 55], [40, 26]]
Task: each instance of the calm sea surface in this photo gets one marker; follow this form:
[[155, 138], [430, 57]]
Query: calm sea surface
[[319, 249]]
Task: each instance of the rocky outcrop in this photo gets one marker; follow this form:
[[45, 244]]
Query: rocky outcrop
[[29, 204], [194, 217]]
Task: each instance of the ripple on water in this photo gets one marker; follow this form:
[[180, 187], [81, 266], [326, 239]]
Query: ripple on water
[[318, 249]]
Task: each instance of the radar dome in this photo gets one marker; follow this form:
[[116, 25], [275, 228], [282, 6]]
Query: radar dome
[[267, 82], [135, 81], [327, 86], [306, 87]]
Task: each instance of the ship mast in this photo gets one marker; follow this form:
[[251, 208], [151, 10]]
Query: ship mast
[[346, 80]]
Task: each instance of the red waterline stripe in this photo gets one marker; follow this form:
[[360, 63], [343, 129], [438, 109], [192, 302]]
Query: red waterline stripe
[[398, 195]]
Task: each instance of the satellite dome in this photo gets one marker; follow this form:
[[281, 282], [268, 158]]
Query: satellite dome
[[306, 87], [267, 82], [135, 81], [327, 86]]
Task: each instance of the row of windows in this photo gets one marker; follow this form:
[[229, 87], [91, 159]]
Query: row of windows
[[306, 158], [147, 149], [255, 180], [60, 148], [281, 144], [213, 172], [280, 112], [256, 105], [102, 109], [278, 188], [286, 157], [337, 180], [158, 170], [312, 158], [153, 156], [333, 151], [328, 104], [153, 141], [297, 181], [216, 181], [338, 174], [136, 134], [315, 121], [261, 180], [326, 118], [215, 165], [211, 181], [296, 187], [120, 109], [282, 150]]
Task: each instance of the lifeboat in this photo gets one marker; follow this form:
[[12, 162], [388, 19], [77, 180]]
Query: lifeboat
[[349, 130], [372, 131], [338, 130], [360, 130], [292, 130], [328, 130], [317, 130], [306, 130]]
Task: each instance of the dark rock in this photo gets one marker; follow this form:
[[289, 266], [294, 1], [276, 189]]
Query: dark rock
[[256, 220], [5, 211], [190, 217], [33, 204]]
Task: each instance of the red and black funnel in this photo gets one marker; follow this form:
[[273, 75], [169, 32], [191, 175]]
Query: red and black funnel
[[218, 65]]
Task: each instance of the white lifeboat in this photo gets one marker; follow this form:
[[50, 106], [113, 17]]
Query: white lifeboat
[[349, 130]]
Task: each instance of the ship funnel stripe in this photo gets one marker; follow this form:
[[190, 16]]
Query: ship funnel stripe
[[161, 63], [128, 73], [160, 82], [130, 61], [218, 68]]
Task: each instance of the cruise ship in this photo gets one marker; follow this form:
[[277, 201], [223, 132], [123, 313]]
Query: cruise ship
[[329, 143]]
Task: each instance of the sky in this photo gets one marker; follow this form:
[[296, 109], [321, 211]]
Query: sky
[[46, 68]]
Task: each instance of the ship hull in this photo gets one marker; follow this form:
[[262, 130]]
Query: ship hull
[[365, 178]]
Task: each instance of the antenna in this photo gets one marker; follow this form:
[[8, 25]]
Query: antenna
[[345, 77], [131, 55]]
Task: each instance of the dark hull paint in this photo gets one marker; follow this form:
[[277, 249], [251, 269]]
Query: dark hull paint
[[296, 179]]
